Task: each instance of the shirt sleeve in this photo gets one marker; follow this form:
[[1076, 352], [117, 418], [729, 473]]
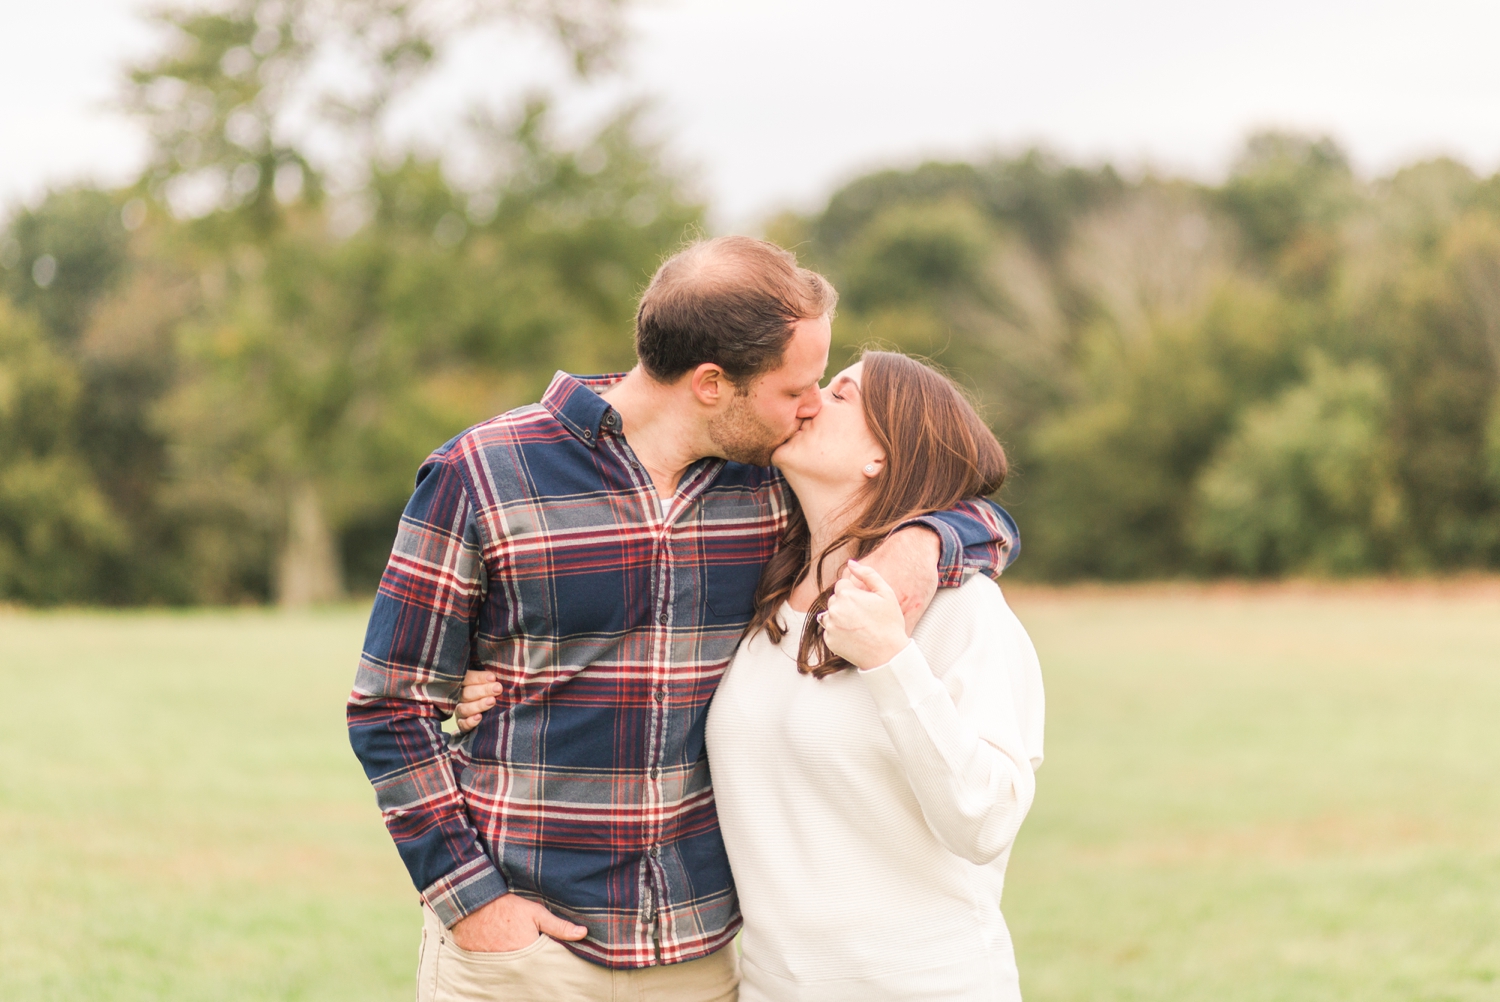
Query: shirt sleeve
[[977, 536], [416, 650], [970, 741]]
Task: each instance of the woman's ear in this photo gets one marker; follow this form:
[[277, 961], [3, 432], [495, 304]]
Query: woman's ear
[[874, 467]]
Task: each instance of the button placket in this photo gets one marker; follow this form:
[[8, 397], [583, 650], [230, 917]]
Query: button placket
[[659, 712]]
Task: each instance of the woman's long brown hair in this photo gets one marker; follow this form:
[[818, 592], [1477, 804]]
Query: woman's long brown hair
[[937, 453]]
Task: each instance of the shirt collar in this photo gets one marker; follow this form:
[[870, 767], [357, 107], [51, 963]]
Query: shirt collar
[[575, 401]]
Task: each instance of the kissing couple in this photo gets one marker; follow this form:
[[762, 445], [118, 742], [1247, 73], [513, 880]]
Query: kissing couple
[[726, 650]]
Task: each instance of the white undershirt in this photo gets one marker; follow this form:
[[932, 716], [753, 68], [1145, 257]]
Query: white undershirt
[[869, 816]]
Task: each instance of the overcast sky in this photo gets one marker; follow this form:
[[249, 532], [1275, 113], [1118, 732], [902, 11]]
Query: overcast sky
[[776, 102]]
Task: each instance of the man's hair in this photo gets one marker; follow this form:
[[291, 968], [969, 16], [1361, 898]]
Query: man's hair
[[731, 301]]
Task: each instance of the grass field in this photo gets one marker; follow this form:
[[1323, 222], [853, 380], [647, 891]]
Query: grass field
[[1249, 795]]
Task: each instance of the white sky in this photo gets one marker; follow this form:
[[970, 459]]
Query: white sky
[[776, 102]]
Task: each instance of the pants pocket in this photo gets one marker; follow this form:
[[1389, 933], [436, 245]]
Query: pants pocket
[[463, 976], [447, 973]]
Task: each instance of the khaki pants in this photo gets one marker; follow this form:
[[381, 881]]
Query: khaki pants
[[546, 971]]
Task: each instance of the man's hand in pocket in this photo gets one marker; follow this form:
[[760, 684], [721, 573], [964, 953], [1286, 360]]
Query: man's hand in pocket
[[510, 923]]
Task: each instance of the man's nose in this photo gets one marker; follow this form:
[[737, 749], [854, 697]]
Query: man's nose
[[812, 402]]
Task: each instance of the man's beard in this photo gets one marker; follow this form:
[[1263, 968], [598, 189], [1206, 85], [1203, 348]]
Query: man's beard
[[742, 436]]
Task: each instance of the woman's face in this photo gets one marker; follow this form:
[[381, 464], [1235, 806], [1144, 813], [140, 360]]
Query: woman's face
[[834, 448]]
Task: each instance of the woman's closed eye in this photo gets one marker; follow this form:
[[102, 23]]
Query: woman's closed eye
[[843, 389]]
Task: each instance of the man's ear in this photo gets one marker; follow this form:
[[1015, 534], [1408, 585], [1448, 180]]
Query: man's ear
[[710, 385]]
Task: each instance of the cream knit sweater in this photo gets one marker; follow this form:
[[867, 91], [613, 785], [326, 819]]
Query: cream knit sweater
[[869, 816]]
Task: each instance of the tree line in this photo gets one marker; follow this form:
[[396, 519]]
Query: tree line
[[217, 382], [1293, 372]]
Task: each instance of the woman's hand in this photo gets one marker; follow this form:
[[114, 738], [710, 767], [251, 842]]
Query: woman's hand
[[480, 690], [864, 624]]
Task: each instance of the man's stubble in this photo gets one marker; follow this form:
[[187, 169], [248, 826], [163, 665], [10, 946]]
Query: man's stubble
[[742, 436]]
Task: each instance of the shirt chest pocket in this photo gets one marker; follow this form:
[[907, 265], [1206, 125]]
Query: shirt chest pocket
[[569, 585], [736, 538]]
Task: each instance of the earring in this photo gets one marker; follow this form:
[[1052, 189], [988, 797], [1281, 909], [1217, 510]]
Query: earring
[[870, 468]]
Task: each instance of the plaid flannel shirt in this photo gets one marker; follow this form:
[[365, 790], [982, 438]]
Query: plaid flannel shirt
[[534, 547]]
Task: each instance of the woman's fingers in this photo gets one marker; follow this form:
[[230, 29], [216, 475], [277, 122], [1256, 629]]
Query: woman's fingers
[[862, 604], [478, 684], [851, 584], [478, 694], [474, 693], [469, 711], [469, 714], [845, 610], [871, 579]]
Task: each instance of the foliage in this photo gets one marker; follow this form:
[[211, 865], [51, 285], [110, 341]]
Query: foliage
[[248, 351], [57, 531], [1139, 347], [1307, 480], [75, 246], [1284, 188], [267, 343]]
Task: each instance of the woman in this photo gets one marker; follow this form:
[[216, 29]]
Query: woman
[[869, 786]]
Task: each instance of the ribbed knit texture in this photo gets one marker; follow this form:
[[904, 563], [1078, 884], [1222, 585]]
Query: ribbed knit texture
[[869, 816]]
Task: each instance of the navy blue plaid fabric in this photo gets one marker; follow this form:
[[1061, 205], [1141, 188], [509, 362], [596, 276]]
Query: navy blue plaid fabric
[[534, 547]]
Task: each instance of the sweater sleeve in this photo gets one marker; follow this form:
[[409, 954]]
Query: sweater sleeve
[[970, 741]]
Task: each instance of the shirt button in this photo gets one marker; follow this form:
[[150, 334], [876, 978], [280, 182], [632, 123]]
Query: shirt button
[[587, 433], [662, 617], [655, 772], [655, 851], [661, 694], [634, 465]]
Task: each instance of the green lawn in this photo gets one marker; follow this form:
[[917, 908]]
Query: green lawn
[[1267, 795], [1264, 796]]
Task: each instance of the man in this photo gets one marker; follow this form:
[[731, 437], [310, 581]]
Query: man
[[599, 553]]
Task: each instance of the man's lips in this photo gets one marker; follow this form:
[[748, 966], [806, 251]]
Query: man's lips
[[794, 434]]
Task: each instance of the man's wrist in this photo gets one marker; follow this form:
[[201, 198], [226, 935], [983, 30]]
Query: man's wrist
[[934, 537], [464, 891], [947, 557]]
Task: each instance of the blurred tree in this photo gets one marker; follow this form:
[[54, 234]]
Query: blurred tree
[[319, 365], [1112, 490], [57, 531], [69, 250], [104, 321], [216, 383], [1286, 187], [1307, 481], [1440, 349], [964, 264], [329, 368], [237, 100], [1033, 193]]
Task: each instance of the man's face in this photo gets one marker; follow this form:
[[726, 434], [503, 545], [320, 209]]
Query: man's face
[[766, 413]]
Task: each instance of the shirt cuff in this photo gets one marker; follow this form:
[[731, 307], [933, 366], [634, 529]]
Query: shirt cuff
[[465, 890], [951, 569], [903, 681]]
